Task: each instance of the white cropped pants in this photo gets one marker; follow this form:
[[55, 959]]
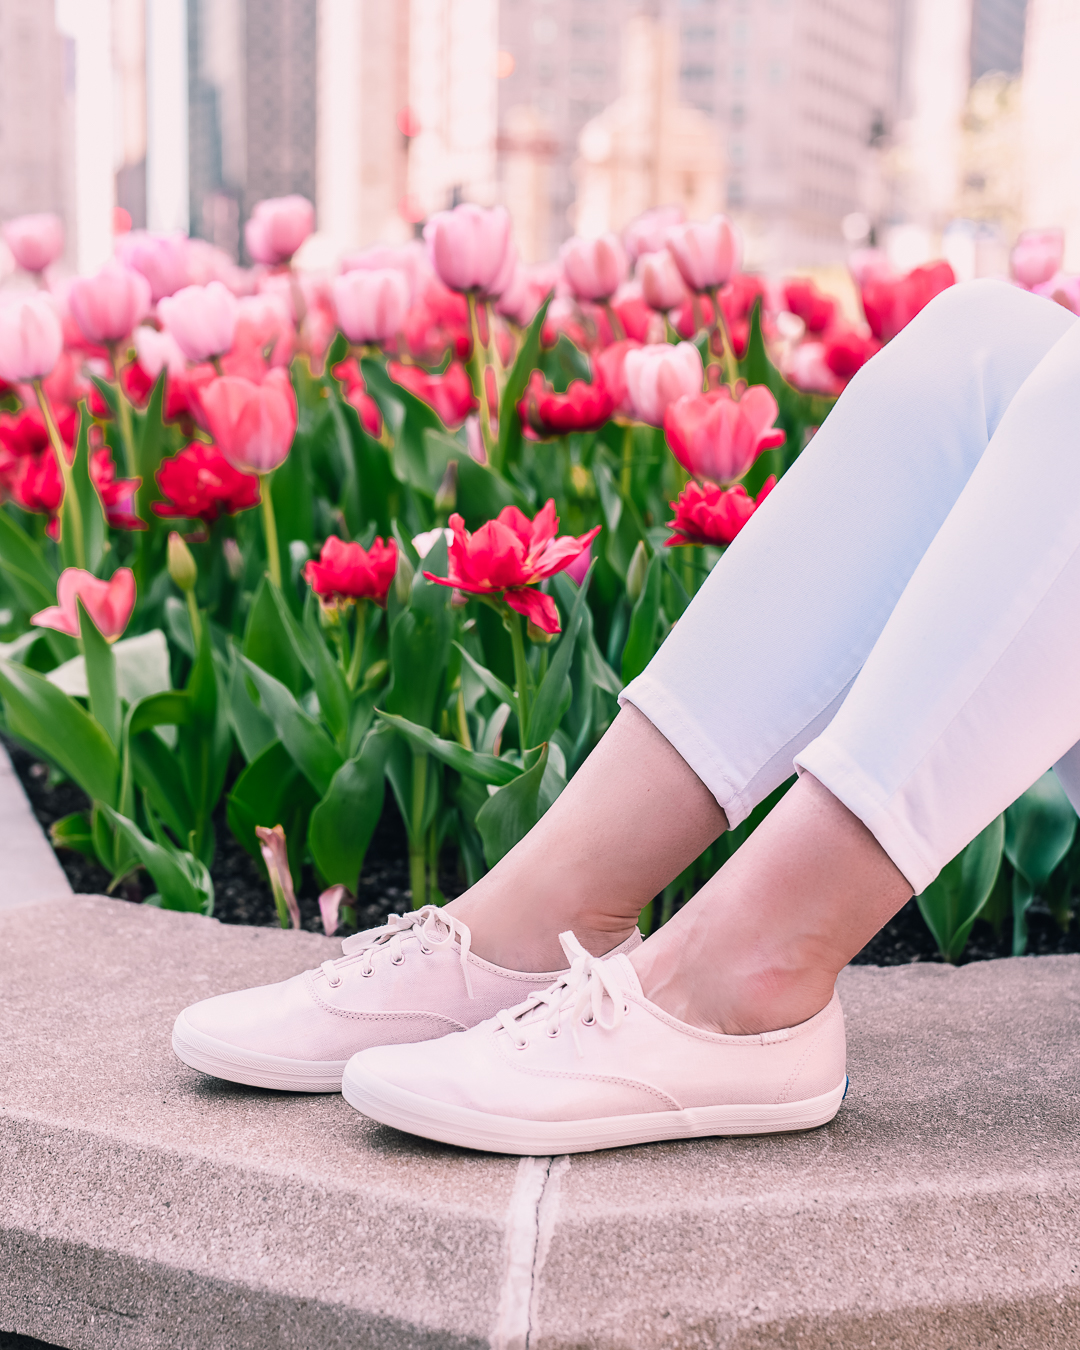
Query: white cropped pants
[[902, 616]]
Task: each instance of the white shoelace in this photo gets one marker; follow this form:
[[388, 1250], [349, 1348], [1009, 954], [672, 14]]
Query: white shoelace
[[430, 927], [584, 986]]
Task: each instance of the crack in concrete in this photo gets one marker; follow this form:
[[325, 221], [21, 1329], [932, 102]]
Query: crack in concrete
[[530, 1226]]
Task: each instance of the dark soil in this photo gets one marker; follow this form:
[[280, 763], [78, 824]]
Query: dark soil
[[242, 894], [241, 891]]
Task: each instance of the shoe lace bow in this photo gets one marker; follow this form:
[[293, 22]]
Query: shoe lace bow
[[584, 990], [430, 926]]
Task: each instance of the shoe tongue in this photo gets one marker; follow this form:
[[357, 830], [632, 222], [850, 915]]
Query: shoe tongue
[[625, 974]]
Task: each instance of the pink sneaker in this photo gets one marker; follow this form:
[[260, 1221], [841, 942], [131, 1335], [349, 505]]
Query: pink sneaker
[[412, 980], [590, 1063]]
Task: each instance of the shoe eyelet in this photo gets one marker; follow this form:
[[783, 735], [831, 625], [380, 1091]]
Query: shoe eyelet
[[335, 984], [521, 1045], [626, 1009], [426, 951], [589, 1021], [397, 960], [554, 1033], [367, 972]]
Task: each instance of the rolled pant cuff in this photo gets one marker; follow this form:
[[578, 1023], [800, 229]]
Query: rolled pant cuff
[[850, 784], [685, 733]]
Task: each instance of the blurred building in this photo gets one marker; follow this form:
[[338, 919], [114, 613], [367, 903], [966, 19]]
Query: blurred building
[[36, 110], [997, 37], [1051, 115], [646, 148]]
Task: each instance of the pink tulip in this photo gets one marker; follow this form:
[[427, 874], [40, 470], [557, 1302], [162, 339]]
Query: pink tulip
[[277, 228], [35, 241], [659, 374], [275, 854], [108, 603], [371, 306], [525, 294], [253, 425], [266, 320], [469, 248], [1037, 256], [594, 268], [707, 253], [160, 258], [31, 339], [718, 437], [157, 351], [661, 281], [107, 306], [202, 319], [648, 232]]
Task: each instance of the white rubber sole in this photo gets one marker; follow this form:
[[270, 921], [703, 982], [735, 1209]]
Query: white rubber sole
[[237, 1065], [404, 1110]]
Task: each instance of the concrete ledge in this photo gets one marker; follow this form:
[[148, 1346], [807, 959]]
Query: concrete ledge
[[30, 868], [144, 1206]]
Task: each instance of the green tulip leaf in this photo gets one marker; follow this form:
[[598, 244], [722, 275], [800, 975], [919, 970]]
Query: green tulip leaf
[[342, 824], [470, 763], [958, 895], [509, 815]]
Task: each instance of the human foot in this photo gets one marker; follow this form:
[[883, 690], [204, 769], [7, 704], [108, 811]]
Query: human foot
[[591, 1063], [412, 980]]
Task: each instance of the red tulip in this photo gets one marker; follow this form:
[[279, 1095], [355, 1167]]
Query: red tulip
[[107, 306], [543, 412], [1037, 256], [31, 339], [450, 394], [252, 424], [707, 253], [807, 368], [24, 433], [509, 555], [199, 483], [348, 372], [718, 437], [647, 233], [890, 303], [35, 241], [695, 312], [658, 375], [161, 258], [108, 603], [847, 350], [470, 248], [117, 494], [816, 309], [34, 484], [346, 573], [661, 281], [201, 320], [707, 514], [277, 228], [638, 318], [371, 305], [594, 268]]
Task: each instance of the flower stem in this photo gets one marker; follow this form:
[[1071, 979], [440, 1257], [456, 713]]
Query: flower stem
[[127, 437], [417, 851], [353, 673], [273, 552], [727, 356], [478, 361], [74, 514], [618, 332], [627, 479], [521, 673], [196, 621]]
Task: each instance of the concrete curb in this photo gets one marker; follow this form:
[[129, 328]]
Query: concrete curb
[[31, 871], [145, 1206]]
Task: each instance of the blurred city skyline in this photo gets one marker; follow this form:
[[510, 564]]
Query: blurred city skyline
[[929, 127]]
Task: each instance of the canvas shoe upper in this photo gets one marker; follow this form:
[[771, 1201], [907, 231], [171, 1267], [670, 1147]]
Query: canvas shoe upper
[[414, 979], [591, 1063]]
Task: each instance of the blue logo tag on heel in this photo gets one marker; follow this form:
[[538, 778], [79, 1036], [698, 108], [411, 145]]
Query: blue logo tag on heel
[[847, 1084]]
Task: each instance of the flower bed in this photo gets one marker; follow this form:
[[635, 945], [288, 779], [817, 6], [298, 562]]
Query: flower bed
[[274, 545]]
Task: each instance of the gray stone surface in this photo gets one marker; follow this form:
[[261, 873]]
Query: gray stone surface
[[29, 871], [145, 1206]]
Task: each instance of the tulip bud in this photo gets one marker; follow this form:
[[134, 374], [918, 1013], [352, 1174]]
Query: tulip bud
[[374, 675], [331, 903], [403, 578], [181, 564], [446, 496], [635, 573], [234, 559], [275, 856], [538, 635]]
